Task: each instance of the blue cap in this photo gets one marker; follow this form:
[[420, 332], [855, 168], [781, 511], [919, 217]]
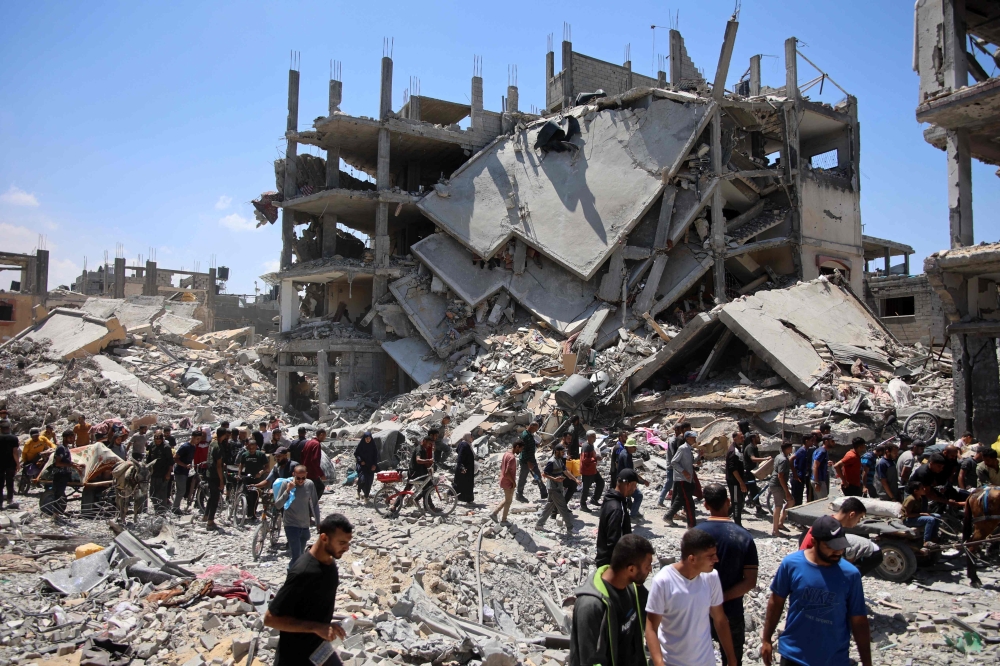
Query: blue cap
[[690, 433]]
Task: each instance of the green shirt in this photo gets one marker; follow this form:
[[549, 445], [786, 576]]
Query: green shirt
[[215, 454], [253, 463]]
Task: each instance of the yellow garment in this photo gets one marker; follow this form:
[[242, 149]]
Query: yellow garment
[[33, 447], [996, 445]]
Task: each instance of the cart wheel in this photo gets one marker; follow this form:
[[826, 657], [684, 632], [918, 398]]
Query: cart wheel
[[260, 538], [382, 500], [899, 562], [921, 426]]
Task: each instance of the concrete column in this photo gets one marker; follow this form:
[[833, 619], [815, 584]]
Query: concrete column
[[718, 232], [888, 261], [288, 303], [512, 99], [323, 381], [333, 153], [210, 301], [283, 384], [329, 245], [149, 287], [336, 96], [41, 272], [976, 385], [383, 178], [791, 70], [291, 153], [567, 72], [346, 377], [661, 79], [955, 67], [477, 102], [28, 274], [906, 264], [119, 286], [959, 188], [628, 75], [385, 100], [725, 57], [676, 47], [550, 66], [414, 109], [755, 76]]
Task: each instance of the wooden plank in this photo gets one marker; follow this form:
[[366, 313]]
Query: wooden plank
[[656, 327]]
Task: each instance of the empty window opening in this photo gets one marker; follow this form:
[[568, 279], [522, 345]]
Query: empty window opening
[[901, 306], [6, 311]]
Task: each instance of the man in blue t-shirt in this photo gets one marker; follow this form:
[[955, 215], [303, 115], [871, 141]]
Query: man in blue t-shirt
[[821, 467], [826, 604]]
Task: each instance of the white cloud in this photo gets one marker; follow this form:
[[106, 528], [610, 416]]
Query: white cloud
[[23, 240], [223, 202], [63, 271], [18, 239], [237, 222], [15, 196], [271, 266]]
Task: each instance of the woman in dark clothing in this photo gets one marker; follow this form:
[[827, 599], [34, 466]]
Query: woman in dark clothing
[[366, 455], [465, 470]]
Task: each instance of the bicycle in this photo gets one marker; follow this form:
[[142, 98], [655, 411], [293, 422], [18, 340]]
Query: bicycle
[[269, 529], [432, 494], [239, 504], [202, 491]]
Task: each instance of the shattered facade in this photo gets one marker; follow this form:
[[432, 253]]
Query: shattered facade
[[17, 304]]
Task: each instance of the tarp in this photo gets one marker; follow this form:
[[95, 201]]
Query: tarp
[[97, 459]]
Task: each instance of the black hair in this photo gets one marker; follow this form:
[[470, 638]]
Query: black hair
[[627, 476], [263, 423], [696, 541], [967, 434], [786, 445], [224, 424], [516, 443], [715, 496], [990, 453], [432, 432], [824, 427], [913, 486], [258, 437], [221, 432], [334, 522], [576, 417], [858, 441], [937, 458], [880, 449], [302, 429], [853, 505], [320, 431], [630, 551], [67, 433]]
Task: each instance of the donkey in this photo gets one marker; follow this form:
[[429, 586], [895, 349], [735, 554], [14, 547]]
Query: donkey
[[981, 518]]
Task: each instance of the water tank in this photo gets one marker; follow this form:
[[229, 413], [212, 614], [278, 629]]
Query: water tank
[[574, 392]]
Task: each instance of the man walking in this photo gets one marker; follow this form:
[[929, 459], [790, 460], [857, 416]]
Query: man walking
[[886, 476], [161, 461], [625, 462], [312, 454], [217, 453], [295, 448], [62, 473], [672, 443], [737, 565], [735, 476], [254, 466], [821, 467], [183, 460], [528, 464], [848, 469], [802, 470], [683, 465], [589, 459], [576, 436], [751, 459], [555, 473], [8, 462], [826, 604], [608, 614], [685, 596], [302, 610], [780, 492], [298, 499], [614, 521], [508, 474]]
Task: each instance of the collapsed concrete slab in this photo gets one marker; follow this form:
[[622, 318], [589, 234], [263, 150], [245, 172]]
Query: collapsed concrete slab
[[117, 374], [743, 398], [692, 337], [73, 334], [428, 311], [594, 193], [176, 325], [37, 387], [686, 265], [415, 358], [135, 313]]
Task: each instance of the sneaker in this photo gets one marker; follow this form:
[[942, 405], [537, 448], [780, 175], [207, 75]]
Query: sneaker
[[521, 498], [584, 507], [668, 520], [637, 516]]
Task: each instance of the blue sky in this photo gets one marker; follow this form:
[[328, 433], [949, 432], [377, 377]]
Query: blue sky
[[154, 124]]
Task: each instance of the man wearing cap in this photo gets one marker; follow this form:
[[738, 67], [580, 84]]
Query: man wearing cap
[[555, 473], [614, 522], [821, 467], [625, 461], [826, 603], [683, 466], [8, 462], [589, 459]]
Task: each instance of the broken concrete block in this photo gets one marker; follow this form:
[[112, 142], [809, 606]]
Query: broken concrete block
[[65, 648], [211, 622], [241, 646]]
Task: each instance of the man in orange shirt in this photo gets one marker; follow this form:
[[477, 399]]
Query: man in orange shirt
[[848, 468], [82, 431], [508, 479]]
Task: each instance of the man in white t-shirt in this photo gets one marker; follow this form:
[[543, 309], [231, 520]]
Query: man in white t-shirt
[[683, 597]]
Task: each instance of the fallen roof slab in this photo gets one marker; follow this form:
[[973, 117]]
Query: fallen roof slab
[[119, 375], [37, 387], [744, 398], [416, 359], [176, 325], [593, 194], [428, 311], [73, 333], [685, 266], [135, 313], [451, 262], [694, 335]]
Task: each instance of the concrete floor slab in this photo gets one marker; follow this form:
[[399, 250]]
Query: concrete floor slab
[[415, 358], [594, 195], [451, 262], [135, 313], [72, 333], [427, 311], [695, 334], [119, 375], [171, 323]]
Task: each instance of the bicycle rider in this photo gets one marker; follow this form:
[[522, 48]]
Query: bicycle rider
[[420, 466], [282, 469], [253, 466]]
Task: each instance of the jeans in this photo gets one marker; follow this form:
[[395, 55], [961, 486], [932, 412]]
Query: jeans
[[522, 476], [213, 500], [668, 483], [798, 490], [508, 497], [736, 495], [180, 490], [7, 479], [298, 539], [929, 523], [634, 501], [738, 630], [683, 498], [595, 480]]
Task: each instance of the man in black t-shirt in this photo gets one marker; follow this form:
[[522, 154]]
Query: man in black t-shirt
[[8, 462], [737, 565], [302, 610], [295, 448]]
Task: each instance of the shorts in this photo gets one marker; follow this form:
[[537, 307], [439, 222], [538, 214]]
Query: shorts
[[778, 495]]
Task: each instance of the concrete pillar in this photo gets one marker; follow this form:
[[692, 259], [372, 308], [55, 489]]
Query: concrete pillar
[[661, 79], [336, 96], [959, 188], [567, 72], [210, 300], [955, 67], [628, 75], [291, 153], [385, 100], [283, 384], [323, 381], [888, 261], [718, 231], [477, 102], [119, 286], [550, 66], [346, 378], [512, 99], [329, 244], [288, 303], [149, 287], [676, 47], [976, 385], [755, 76], [333, 153], [413, 112], [906, 264], [41, 272], [791, 70], [28, 275], [725, 57]]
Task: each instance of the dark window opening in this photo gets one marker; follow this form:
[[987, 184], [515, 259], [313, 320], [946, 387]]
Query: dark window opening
[[6, 311], [898, 307]]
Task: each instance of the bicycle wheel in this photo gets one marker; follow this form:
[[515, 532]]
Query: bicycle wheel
[[441, 499], [921, 426], [260, 538], [242, 505], [382, 500], [201, 497], [276, 531]]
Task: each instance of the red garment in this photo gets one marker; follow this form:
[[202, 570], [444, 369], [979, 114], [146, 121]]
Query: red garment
[[808, 541], [850, 468], [508, 470], [200, 452], [310, 458], [588, 461]]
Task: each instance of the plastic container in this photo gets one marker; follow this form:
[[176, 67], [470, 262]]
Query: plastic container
[[574, 467], [389, 477], [574, 392]]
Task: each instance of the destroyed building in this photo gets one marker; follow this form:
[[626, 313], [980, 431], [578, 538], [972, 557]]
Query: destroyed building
[[646, 200], [964, 121], [17, 304]]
